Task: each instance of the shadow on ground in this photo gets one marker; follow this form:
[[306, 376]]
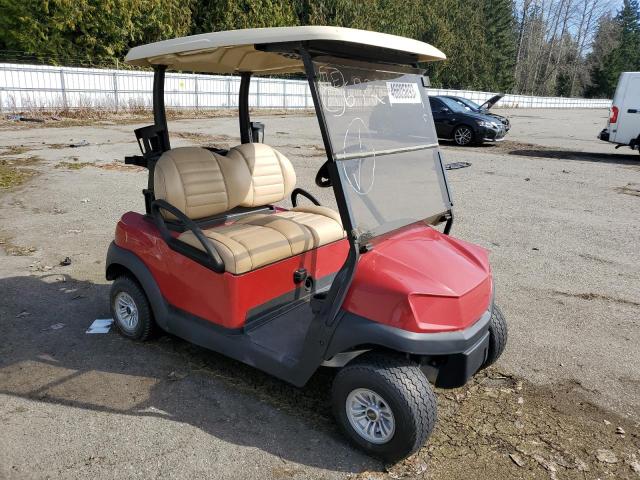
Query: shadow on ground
[[47, 356], [519, 149]]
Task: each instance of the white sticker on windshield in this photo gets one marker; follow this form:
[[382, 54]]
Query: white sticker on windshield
[[403, 92]]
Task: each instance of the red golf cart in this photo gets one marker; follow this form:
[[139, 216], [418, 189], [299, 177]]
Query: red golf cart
[[372, 288]]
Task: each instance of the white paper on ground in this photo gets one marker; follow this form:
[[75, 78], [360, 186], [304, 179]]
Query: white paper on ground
[[101, 325]]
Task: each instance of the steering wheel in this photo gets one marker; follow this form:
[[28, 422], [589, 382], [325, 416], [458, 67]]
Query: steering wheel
[[322, 177]]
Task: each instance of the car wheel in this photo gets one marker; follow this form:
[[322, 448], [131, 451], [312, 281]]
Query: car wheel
[[130, 309], [385, 405], [497, 336], [463, 135]]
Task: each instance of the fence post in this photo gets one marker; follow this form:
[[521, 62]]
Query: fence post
[[115, 90], [64, 91], [1, 100], [258, 82], [229, 80], [306, 96], [284, 94], [195, 87]]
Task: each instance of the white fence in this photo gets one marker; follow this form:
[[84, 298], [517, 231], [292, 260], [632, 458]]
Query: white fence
[[32, 87]]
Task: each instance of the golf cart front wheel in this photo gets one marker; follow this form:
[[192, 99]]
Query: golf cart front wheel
[[497, 336], [130, 309], [385, 405], [463, 136]]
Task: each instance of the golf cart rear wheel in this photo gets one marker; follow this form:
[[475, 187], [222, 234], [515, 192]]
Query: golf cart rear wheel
[[497, 336], [464, 136], [385, 405], [130, 309]]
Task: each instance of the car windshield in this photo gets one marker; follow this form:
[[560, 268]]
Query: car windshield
[[383, 137], [468, 103], [453, 104]]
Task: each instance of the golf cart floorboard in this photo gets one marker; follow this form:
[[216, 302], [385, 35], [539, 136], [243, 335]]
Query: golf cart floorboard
[[285, 334]]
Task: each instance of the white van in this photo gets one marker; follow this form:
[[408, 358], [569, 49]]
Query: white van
[[623, 127]]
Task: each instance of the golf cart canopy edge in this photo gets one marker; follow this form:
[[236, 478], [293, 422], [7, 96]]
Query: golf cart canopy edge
[[236, 51]]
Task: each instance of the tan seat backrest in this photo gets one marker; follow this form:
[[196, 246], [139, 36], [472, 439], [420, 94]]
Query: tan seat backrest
[[199, 182], [272, 175]]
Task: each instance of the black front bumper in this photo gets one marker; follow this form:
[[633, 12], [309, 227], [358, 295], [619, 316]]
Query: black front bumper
[[455, 370], [490, 134], [452, 356]]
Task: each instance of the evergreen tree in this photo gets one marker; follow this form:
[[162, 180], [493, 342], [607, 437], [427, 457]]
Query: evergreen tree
[[217, 15], [88, 31], [500, 41], [625, 56]]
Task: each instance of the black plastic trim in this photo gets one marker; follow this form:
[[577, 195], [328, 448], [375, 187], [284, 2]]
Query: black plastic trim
[[355, 331], [278, 305], [243, 108], [304, 193], [121, 257], [211, 259]]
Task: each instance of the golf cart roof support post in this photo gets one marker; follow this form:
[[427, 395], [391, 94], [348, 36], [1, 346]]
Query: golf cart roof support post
[[159, 112], [243, 108], [449, 224]]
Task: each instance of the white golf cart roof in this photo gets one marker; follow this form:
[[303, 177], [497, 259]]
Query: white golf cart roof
[[234, 51]]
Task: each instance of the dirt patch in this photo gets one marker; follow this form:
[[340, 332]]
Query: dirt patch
[[506, 428], [16, 250], [88, 117], [596, 296], [523, 149], [14, 150], [203, 138], [119, 166], [630, 189], [75, 165]]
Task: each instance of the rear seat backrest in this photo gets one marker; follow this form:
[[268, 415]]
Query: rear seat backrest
[[199, 182], [272, 175]]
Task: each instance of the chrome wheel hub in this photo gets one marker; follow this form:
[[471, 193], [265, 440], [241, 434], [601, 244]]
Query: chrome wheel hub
[[126, 311], [370, 416]]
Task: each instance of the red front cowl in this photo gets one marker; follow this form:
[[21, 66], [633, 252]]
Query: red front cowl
[[421, 280]]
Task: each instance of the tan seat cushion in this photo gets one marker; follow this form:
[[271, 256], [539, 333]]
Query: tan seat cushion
[[272, 175], [261, 239], [323, 223], [202, 183], [199, 182]]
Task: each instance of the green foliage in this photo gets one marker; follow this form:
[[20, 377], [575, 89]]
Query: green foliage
[[217, 15], [88, 31], [479, 38], [623, 53]]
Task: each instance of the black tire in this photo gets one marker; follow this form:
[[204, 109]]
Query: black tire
[[406, 390], [464, 136], [144, 326], [497, 336]]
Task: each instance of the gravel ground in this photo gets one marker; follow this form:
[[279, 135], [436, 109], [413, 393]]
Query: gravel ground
[[557, 209]]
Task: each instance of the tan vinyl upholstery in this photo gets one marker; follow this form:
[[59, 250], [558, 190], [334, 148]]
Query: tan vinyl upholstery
[[323, 223], [201, 184], [272, 175]]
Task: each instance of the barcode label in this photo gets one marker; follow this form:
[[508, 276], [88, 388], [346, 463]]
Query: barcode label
[[403, 92]]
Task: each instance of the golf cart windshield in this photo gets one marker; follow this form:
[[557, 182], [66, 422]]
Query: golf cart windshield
[[384, 142]]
